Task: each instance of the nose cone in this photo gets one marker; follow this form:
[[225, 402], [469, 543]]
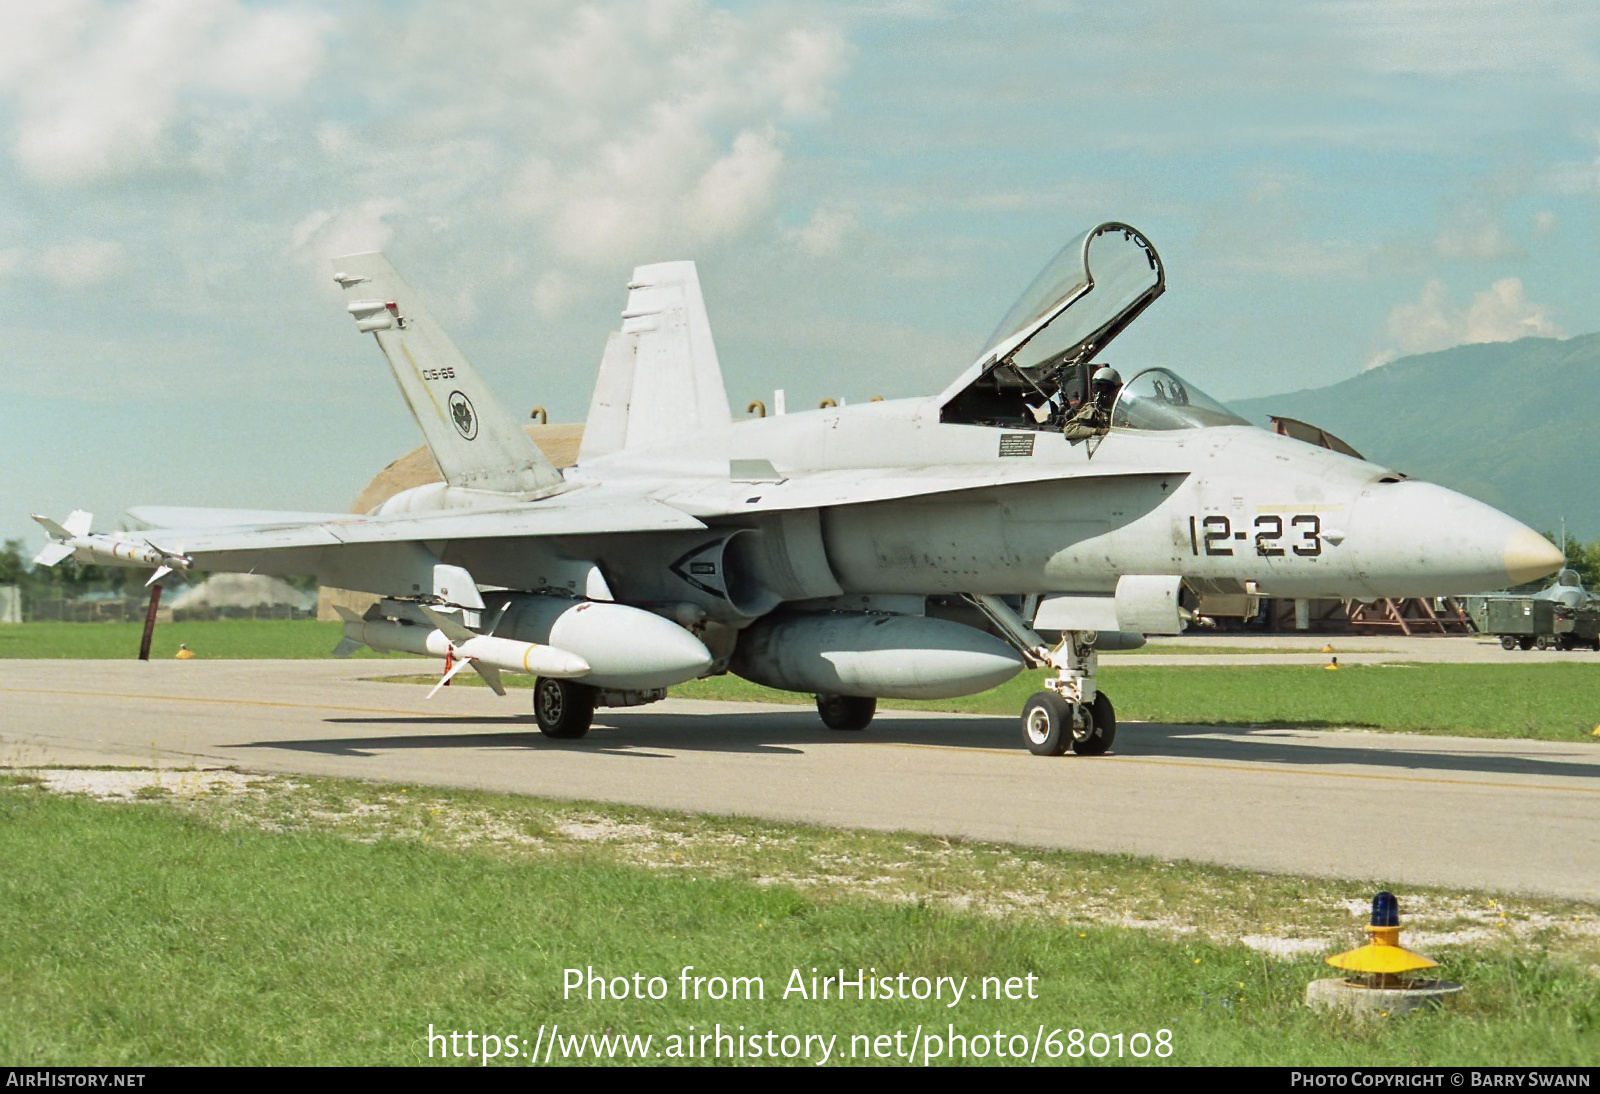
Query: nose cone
[[1418, 539], [1529, 556]]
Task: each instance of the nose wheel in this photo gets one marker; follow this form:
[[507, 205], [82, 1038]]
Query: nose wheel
[[1051, 725]]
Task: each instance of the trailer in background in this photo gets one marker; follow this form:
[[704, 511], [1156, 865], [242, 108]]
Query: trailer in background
[[1533, 622]]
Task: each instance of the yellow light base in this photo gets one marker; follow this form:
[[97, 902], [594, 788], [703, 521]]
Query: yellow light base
[[1383, 955]]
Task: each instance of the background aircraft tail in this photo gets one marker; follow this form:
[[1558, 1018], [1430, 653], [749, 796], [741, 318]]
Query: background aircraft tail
[[659, 377], [475, 441]]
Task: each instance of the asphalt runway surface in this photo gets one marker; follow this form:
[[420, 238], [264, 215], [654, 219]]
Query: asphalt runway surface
[[1520, 816]]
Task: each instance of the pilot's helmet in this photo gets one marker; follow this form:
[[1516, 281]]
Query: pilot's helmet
[[1107, 376]]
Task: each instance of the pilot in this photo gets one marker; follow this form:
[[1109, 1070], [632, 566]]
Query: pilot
[[1106, 382]]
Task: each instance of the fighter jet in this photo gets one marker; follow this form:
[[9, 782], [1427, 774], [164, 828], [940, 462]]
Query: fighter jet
[[910, 548], [1567, 590]]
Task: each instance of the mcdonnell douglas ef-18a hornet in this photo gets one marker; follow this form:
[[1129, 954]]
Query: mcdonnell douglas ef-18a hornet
[[911, 548]]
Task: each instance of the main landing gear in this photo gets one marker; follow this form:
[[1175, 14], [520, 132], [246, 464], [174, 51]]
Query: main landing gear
[[847, 712], [563, 709]]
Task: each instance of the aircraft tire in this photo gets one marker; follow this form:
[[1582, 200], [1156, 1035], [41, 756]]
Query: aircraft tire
[[1047, 724], [846, 712], [1508, 642], [563, 709], [1100, 730]]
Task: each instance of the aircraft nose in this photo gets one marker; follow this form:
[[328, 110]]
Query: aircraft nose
[[1419, 539], [1529, 556]]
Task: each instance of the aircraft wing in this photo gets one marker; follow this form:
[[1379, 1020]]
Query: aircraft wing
[[205, 531], [755, 487], [179, 516]]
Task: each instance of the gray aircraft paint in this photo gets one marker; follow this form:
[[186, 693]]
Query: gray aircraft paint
[[710, 524]]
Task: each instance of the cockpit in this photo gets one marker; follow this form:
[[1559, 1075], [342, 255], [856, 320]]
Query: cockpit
[[1157, 399], [1038, 370]]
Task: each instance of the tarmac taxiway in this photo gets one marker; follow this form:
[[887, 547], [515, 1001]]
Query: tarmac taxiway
[[1511, 815]]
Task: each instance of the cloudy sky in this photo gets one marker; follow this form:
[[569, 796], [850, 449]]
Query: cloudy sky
[[866, 188]]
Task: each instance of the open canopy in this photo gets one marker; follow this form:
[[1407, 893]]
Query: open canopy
[[1035, 371], [1083, 299]]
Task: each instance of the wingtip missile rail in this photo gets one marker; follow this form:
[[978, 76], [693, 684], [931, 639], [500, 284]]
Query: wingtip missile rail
[[73, 537]]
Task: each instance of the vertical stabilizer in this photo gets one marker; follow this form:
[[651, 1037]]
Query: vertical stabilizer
[[473, 438], [659, 377]]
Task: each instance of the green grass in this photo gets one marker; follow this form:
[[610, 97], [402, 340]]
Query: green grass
[[222, 638], [194, 940], [1550, 702]]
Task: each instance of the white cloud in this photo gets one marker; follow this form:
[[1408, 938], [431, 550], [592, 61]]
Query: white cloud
[[735, 188], [1455, 38], [804, 71], [325, 234], [81, 263], [824, 234], [646, 134], [1500, 313], [1503, 313], [100, 86], [1474, 235], [553, 293]]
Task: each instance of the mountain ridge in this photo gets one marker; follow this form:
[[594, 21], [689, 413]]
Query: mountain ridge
[[1513, 424]]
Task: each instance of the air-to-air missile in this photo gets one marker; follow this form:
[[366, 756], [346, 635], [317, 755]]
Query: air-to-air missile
[[609, 646], [72, 537]]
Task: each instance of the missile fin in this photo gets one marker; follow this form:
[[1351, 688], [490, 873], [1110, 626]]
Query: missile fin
[[52, 553], [491, 676], [455, 668], [56, 530], [452, 627]]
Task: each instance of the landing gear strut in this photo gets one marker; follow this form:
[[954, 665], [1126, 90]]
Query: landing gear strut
[[563, 709], [1071, 712]]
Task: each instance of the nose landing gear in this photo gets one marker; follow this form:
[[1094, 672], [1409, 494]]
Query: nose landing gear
[[1071, 712]]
